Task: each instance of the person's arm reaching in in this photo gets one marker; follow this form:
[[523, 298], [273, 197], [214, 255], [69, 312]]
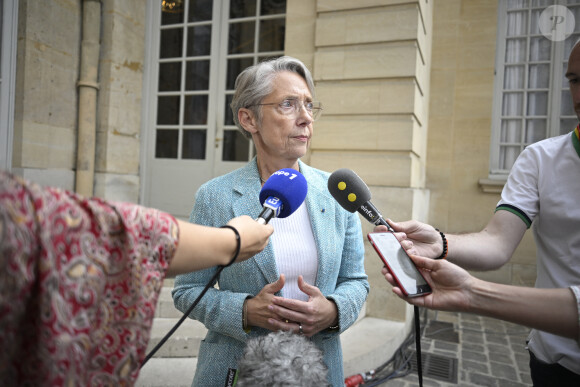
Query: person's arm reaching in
[[454, 289], [488, 249], [201, 247]]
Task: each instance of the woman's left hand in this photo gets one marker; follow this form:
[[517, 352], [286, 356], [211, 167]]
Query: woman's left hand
[[305, 317]]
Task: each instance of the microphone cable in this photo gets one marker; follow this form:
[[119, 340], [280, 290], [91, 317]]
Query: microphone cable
[[194, 304], [402, 357], [399, 365]]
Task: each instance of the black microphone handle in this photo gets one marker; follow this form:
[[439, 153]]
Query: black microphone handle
[[384, 223], [265, 215], [372, 214]]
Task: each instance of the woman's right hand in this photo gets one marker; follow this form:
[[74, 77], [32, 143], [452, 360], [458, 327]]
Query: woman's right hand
[[258, 308]]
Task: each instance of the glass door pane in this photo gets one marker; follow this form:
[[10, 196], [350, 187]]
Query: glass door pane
[[197, 49], [184, 86], [255, 31]]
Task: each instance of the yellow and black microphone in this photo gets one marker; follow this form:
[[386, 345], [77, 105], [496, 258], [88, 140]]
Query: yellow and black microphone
[[351, 192]]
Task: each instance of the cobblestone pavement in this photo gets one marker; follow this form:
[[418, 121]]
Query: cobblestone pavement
[[487, 352]]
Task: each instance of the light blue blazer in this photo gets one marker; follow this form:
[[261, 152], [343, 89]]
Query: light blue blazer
[[341, 275]]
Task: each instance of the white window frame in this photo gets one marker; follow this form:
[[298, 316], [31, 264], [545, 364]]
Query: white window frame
[[212, 165], [9, 25], [554, 92]]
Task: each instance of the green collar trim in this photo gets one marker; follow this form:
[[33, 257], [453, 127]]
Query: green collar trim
[[576, 141]]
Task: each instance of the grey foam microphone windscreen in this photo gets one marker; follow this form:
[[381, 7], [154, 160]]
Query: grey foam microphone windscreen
[[349, 190]]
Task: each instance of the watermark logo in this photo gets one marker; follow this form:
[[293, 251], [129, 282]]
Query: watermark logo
[[556, 23]]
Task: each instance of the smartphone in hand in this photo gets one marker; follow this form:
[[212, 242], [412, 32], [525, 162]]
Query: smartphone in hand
[[408, 277]]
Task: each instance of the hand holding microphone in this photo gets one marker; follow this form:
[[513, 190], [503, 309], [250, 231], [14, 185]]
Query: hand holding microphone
[[351, 192], [353, 195], [254, 236], [281, 195]]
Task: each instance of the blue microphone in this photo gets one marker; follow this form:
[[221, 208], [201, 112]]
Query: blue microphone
[[282, 194]]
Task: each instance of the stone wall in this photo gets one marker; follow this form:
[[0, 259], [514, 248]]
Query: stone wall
[[48, 56], [370, 61], [120, 100], [407, 88], [46, 95]]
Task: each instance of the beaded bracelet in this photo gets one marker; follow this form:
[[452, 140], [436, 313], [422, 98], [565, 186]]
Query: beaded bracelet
[[445, 249]]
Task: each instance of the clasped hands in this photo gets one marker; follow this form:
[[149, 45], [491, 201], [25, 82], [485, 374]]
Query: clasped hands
[[275, 313]]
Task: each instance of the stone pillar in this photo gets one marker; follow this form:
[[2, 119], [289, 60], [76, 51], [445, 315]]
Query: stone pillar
[[371, 65]]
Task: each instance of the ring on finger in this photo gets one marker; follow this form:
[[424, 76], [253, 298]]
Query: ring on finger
[[300, 329]]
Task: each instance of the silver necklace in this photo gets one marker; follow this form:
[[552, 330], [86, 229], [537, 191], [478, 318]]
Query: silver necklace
[[259, 173]]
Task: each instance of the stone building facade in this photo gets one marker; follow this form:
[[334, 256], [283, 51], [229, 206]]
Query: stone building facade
[[407, 88]]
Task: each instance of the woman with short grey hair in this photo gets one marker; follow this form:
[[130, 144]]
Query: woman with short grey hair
[[310, 278], [255, 83]]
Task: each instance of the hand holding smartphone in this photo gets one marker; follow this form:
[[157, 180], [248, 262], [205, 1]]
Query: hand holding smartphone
[[408, 277]]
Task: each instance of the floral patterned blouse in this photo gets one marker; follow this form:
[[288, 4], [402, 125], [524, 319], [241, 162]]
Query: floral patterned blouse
[[79, 282]]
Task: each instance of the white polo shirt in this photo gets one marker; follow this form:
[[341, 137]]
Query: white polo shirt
[[543, 189]]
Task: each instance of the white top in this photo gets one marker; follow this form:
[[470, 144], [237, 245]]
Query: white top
[[295, 251], [543, 188]]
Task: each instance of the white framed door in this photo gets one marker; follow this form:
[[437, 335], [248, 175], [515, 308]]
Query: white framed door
[[8, 41], [195, 52]]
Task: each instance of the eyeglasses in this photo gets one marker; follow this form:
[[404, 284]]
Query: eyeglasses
[[291, 107]]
